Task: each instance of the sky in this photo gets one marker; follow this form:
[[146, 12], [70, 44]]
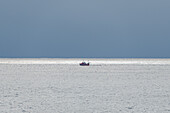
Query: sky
[[84, 28]]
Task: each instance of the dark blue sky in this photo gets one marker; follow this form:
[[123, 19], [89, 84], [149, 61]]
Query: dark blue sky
[[85, 28]]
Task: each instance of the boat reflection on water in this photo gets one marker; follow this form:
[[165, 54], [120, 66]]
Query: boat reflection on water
[[84, 64]]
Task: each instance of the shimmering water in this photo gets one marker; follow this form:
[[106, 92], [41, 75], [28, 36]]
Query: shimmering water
[[106, 86]]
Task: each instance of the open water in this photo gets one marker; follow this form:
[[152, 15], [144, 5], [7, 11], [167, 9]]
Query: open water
[[106, 86]]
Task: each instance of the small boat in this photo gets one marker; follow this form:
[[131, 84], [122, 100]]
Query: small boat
[[84, 64]]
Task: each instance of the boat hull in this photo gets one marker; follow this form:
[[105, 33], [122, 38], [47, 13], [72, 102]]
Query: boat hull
[[82, 64]]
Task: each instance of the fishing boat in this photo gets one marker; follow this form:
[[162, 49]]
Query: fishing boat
[[84, 64]]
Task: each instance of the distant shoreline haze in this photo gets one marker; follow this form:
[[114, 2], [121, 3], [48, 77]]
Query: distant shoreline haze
[[76, 61]]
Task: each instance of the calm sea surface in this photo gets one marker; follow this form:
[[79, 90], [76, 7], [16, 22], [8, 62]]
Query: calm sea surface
[[106, 86]]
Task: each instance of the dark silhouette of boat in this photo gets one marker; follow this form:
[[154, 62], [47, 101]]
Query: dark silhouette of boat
[[84, 64]]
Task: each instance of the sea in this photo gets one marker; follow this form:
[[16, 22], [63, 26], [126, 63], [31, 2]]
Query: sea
[[61, 85]]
